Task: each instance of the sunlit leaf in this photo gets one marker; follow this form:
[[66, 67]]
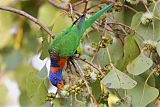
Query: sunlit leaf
[[6, 19], [80, 103], [43, 72], [150, 31], [118, 80], [25, 101], [40, 95], [142, 94], [21, 75], [44, 45], [46, 14], [139, 65], [60, 22], [61, 102], [36, 88], [113, 101]]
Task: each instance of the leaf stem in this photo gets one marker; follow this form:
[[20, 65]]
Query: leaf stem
[[109, 57]]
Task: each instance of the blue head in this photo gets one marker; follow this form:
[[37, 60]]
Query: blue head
[[56, 78]]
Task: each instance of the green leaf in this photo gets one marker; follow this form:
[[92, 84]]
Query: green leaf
[[142, 94], [60, 22], [150, 31], [50, 15], [40, 95], [21, 75], [6, 19], [36, 88], [65, 102], [25, 101], [96, 89], [152, 105], [131, 51], [13, 59], [156, 33], [136, 20], [155, 8], [79, 103], [158, 48], [57, 102], [152, 80], [115, 50], [118, 80], [43, 73], [139, 65], [46, 14], [44, 46], [114, 101], [61, 102]]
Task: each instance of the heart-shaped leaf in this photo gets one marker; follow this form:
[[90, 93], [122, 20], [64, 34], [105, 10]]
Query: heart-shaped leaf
[[139, 65], [142, 94], [118, 80]]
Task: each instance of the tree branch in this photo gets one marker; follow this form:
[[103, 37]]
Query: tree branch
[[63, 6], [31, 18]]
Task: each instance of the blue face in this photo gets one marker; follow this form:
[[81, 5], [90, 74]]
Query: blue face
[[55, 78]]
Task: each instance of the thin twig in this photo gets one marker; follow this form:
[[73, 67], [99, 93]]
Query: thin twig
[[31, 18], [121, 24], [134, 10], [63, 6], [71, 12], [91, 65], [79, 3], [92, 98], [85, 8]]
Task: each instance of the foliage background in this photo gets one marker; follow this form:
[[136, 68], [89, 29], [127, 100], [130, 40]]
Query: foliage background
[[130, 36]]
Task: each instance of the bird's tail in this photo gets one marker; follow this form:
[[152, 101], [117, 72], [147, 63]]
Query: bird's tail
[[88, 22]]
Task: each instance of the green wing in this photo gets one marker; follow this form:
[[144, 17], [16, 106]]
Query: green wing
[[67, 42]]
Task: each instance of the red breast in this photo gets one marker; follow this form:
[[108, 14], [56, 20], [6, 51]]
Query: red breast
[[62, 61], [54, 69]]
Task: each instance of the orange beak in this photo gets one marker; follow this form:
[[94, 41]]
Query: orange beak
[[60, 85]]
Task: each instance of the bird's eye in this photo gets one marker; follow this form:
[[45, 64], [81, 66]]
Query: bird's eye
[[55, 78]]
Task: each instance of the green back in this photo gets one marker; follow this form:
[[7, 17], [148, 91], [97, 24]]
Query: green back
[[67, 42]]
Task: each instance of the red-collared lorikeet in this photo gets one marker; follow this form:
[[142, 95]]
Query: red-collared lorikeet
[[65, 45]]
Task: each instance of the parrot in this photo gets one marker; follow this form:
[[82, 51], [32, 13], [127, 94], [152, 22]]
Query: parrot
[[65, 45]]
